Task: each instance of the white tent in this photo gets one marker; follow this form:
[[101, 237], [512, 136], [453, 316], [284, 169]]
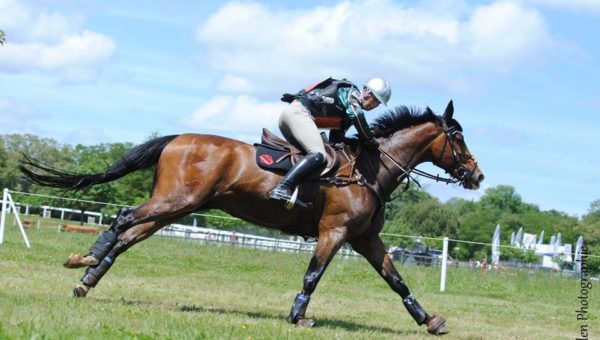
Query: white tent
[[529, 240], [519, 237], [557, 243]]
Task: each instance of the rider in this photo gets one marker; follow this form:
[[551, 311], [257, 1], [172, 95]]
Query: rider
[[330, 104]]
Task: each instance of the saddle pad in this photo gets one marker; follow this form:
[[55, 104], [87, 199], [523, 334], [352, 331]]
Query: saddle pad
[[273, 158]]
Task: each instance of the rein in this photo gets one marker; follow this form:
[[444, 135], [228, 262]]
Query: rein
[[458, 175]]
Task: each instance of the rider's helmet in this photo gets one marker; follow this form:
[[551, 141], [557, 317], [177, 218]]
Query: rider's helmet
[[380, 88]]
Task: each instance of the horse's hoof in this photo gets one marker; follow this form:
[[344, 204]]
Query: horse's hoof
[[437, 325], [80, 291], [305, 323], [78, 261]]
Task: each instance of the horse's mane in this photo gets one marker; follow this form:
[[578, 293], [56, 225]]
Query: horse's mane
[[400, 118]]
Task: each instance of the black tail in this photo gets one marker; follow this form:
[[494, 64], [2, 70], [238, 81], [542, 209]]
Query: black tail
[[139, 157]]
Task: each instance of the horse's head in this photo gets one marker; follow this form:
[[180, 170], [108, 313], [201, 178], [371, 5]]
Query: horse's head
[[409, 137], [452, 154]]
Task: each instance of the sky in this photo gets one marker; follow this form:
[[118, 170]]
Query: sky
[[524, 75]]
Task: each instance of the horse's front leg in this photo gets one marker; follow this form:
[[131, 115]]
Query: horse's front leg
[[327, 245], [373, 249]]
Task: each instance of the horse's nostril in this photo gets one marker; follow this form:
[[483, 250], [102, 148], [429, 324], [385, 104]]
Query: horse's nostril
[[480, 178]]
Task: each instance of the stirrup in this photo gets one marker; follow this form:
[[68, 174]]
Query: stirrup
[[290, 202], [295, 201], [280, 195]]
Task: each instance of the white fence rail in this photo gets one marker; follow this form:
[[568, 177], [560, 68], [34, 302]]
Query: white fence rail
[[284, 244]]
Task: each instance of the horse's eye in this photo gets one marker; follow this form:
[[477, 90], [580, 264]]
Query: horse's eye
[[457, 135]]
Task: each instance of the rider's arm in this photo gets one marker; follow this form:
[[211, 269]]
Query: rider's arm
[[356, 113]]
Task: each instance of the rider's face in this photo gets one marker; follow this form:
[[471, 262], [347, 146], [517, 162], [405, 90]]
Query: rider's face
[[369, 101]]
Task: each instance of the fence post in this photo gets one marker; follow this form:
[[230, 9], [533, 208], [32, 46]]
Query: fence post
[[3, 217], [17, 218], [444, 265], [6, 203]]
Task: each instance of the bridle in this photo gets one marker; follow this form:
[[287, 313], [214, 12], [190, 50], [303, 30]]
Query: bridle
[[461, 172], [459, 175]]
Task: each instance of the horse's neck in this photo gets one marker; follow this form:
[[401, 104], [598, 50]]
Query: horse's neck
[[414, 145], [409, 147]]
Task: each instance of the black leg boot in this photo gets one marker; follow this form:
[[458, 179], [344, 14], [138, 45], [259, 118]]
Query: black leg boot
[[103, 245], [299, 308], [415, 310], [284, 190]]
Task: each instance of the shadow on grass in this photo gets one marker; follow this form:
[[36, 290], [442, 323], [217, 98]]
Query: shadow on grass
[[322, 322]]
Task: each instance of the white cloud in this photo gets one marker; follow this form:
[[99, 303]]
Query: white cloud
[[235, 84], [357, 39], [29, 24], [234, 115], [504, 32], [52, 43], [51, 27]]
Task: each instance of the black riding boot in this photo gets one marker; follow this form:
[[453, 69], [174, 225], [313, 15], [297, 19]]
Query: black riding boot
[[284, 190]]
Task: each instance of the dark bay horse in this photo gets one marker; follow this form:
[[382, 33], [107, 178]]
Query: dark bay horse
[[197, 172]]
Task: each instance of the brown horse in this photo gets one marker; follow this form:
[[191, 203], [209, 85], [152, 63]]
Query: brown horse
[[196, 172]]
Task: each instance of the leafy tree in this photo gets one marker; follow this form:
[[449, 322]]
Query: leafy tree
[[481, 254], [589, 228], [2, 37], [477, 225], [502, 198], [400, 227], [459, 252], [402, 198], [425, 218], [13, 146], [462, 206]]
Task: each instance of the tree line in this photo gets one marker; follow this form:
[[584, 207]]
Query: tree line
[[414, 212]]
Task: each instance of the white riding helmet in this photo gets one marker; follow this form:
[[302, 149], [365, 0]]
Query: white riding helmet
[[380, 88]]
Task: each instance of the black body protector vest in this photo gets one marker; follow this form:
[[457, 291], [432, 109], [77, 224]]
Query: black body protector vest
[[322, 100]]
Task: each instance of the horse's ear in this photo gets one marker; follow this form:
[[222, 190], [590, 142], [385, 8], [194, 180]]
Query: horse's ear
[[449, 111]]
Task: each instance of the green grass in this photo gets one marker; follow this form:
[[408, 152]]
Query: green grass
[[170, 288]]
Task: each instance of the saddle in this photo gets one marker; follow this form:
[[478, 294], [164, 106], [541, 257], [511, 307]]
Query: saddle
[[274, 153]]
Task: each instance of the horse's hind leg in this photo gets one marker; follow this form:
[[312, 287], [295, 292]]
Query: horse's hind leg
[[103, 245], [125, 240], [373, 250], [131, 227], [156, 208]]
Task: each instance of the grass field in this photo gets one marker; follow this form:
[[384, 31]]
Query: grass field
[[170, 288]]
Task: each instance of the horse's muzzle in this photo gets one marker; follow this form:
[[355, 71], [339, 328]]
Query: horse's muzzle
[[474, 179]]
